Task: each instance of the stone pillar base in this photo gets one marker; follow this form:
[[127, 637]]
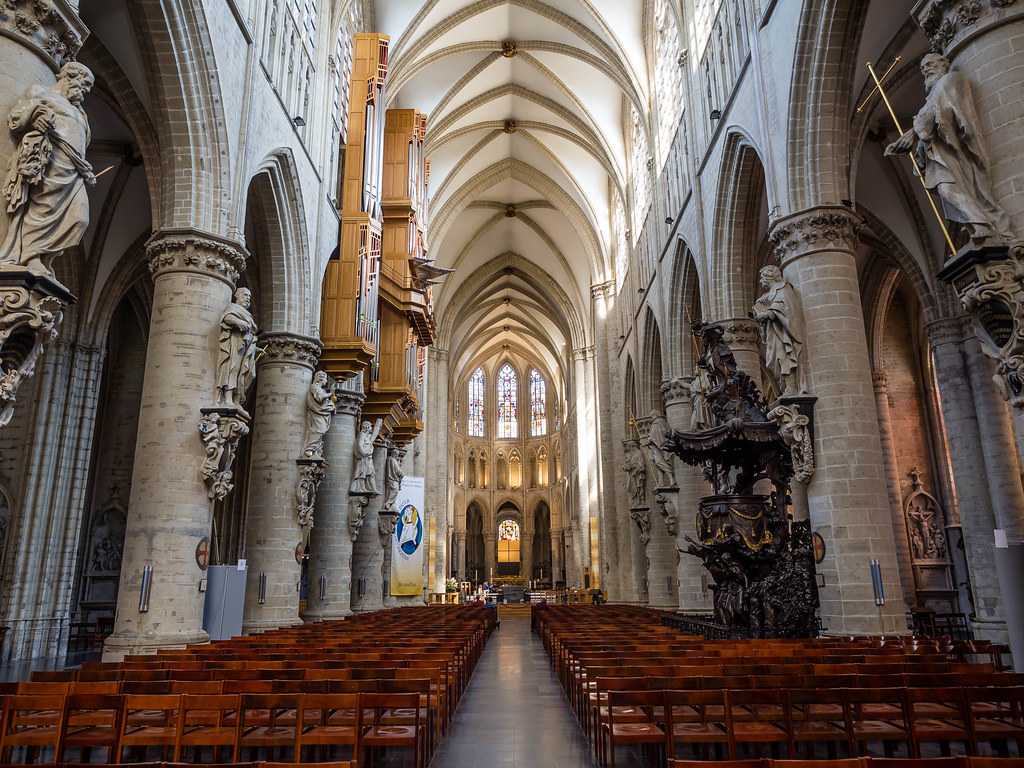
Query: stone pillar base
[[115, 648], [257, 627]]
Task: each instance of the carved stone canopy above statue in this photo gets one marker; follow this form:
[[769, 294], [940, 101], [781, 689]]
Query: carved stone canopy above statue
[[926, 522]]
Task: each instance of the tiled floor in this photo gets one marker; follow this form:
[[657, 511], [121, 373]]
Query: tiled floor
[[513, 713]]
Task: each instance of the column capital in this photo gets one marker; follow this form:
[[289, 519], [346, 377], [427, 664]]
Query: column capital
[[50, 28], [603, 290], [880, 381], [348, 401], [189, 250], [289, 349], [740, 332], [949, 26], [823, 228], [582, 354], [676, 390]]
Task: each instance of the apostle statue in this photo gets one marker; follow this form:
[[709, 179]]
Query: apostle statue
[[393, 477], [779, 313], [656, 439], [319, 412], [952, 155], [364, 476], [636, 474], [236, 366], [45, 183], [700, 410]]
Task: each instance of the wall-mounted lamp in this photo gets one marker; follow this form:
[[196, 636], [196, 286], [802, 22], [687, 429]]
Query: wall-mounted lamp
[[876, 583], [299, 121], [261, 594], [323, 586], [145, 588], [716, 114]]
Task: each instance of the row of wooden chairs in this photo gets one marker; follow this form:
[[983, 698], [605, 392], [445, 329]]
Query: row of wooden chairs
[[314, 692], [178, 724], [795, 721], [860, 762]]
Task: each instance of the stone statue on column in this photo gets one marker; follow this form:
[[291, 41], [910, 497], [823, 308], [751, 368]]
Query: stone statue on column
[[636, 474], [48, 213], [700, 410], [46, 179], [657, 436], [236, 363], [320, 409], [780, 315], [364, 476], [949, 149], [393, 477]]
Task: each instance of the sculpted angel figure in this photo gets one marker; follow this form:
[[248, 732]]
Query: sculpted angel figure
[[364, 476], [319, 412], [656, 440], [47, 205], [236, 367], [780, 316], [949, 149]]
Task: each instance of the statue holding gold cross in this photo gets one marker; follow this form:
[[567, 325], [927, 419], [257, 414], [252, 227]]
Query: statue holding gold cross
[[949, 152]]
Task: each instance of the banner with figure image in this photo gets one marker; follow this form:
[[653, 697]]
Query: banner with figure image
[[409, 540]]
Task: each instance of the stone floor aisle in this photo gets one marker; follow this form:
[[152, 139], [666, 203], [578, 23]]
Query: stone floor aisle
[[513, 713]]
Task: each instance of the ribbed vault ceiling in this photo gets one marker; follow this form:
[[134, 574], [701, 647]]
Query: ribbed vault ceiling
[[526, 103]]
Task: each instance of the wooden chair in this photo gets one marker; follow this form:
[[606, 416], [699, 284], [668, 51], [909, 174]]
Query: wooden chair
[[996, 715], [937, 715], [31, 721], [819, 716], [878, 714], [90, 721], [757, 717], [757, 763], [330, 720], [378, 735], [268, 721], [149, 721], [625, 728], [206, 721]]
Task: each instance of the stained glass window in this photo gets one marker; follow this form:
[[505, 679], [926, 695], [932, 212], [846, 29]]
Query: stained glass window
[[508, 401], [475, 410], [538, 404], [508, 541], [668, 78]]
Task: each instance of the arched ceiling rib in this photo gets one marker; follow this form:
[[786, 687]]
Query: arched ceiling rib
[[527, 102]]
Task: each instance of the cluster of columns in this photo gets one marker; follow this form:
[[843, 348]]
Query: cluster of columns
[[170, 512]]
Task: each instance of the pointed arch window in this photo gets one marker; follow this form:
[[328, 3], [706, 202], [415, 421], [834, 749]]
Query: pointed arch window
[[538, 404], [668, 78], [508, 402], [475, 409]]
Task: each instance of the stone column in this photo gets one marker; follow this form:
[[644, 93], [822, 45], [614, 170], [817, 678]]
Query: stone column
[[744, 339], [367, 553], [437, 466], [660, 547], [170, 509], [490, 556], [893, 485], [330, 543], [556, 556], [272, 531], [963, 436], [526, 554], [605, 347], [847, 498], [997, 443], [691, 577], [459, 543]]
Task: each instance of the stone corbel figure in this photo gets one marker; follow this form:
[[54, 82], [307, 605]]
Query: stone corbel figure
[[393, 477], [636, 474], [780, 316], [320, 407], [657, 437], [364, 476], [794, 428], [311, 474], [951, 153], [663, 498], [46, 179], [236, 363]]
